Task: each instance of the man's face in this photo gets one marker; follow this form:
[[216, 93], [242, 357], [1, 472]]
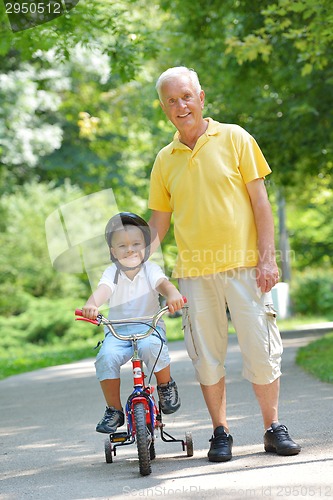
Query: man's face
[[181, 103]]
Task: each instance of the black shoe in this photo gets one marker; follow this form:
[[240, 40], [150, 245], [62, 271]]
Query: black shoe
[[111, 421], [277, 440], [220, 446], [168, 396]]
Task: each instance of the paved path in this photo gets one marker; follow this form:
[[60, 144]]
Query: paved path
[[49, 449]]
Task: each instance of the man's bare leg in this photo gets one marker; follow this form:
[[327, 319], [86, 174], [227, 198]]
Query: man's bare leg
[[221, 442], [268, 399], [215, 398]]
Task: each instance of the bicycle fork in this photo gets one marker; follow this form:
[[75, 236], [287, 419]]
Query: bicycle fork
[[140, 393]]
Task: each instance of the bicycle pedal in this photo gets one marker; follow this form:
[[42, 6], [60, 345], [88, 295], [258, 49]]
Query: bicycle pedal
[[119, 437]]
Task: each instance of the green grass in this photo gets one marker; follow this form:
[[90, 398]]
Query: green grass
[[317, 358], [173, 328], [19, 361]]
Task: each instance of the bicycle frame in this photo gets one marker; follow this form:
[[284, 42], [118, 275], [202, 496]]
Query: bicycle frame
[[141, 394]]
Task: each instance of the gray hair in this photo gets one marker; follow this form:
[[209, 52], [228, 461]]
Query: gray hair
[[176, 72]]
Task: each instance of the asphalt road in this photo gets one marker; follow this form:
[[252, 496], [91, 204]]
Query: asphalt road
[[49, 448]]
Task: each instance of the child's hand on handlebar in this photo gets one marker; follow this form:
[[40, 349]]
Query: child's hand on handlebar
[[174, 298], [174, 301], [90, 311]]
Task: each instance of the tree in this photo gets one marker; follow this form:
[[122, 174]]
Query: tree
[[310, 219], [30, 99], [304, 23], [84, 74], [294, 42], [123, 30]]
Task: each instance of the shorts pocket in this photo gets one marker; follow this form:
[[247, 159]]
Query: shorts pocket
[[188, 336], [274, 337]]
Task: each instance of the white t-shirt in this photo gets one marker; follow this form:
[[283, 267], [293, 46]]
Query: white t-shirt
[[133, 298]]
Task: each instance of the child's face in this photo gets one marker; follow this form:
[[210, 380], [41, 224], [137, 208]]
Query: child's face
[[128, 246]]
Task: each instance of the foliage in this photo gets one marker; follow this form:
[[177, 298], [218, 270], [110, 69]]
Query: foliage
[[25, 264], [317, 358], [294, 40], [312, 292], [311, 224], [104, 146], [305, 23], [30, 97], [77, 63], [44, 322], [123, 30], [107, 128]]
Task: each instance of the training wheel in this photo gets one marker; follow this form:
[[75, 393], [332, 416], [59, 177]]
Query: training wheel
[[189, 444], [108, 451]]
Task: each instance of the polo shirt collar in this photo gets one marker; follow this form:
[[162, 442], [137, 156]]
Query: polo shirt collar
[[141, 274], [212, 129]]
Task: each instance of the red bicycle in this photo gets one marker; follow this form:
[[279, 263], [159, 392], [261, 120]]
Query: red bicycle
[[143, 415]]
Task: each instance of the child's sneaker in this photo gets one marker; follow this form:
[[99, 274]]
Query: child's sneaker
[[111, 421], [168, 396]]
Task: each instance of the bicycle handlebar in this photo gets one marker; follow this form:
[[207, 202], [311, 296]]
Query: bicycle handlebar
[[101, 320]]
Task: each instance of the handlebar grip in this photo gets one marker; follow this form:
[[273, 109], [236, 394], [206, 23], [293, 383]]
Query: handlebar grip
[[78, 312], [93, 321], [184, 299]]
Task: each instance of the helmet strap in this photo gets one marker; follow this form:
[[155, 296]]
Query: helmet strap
[[120, 267]]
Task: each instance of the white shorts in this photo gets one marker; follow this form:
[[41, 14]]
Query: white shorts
[[252, 314], [114, 353]]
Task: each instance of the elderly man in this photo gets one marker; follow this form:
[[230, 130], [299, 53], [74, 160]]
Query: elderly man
[[211, 179]]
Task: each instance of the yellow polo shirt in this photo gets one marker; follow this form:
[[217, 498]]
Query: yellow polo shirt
[[205, 189]]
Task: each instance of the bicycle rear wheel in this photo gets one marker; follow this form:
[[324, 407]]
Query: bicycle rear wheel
[[142, 439]]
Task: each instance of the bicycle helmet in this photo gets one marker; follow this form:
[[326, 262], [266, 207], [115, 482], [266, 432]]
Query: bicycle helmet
[[116, 223]]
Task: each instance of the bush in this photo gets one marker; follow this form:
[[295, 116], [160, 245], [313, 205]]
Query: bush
[[312, 292], [13, 300], [45, 322], [26, 269]]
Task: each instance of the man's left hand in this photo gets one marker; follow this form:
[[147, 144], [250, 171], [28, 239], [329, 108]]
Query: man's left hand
[[267, 276]]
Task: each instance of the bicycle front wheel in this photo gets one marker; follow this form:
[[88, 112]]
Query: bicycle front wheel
[[143, 440]]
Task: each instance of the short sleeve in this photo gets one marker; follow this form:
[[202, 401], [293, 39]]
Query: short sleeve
[[155, 274], [159, 196], [108, 277], [252, 163]]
